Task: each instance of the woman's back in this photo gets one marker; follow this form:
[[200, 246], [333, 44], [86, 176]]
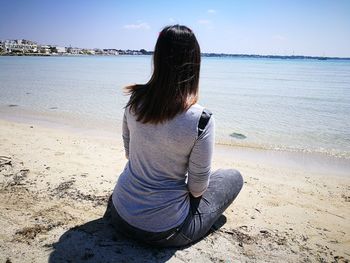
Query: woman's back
[[152, 193], [167, 136]]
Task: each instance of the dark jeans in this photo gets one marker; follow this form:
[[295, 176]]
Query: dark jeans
[[223, 188]]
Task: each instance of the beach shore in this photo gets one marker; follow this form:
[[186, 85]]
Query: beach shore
[[55, 182]]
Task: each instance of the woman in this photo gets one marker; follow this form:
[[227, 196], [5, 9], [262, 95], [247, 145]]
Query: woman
[[167, 194]]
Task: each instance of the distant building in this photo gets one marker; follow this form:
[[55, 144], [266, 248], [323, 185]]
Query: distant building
[[61, 50], [28, 47], [20, 45], [44, 49], [98, 51], [121, 52], [74, 50], [110, 52]]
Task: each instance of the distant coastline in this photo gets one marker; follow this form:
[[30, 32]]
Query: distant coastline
[[271, 56], [202, 54], [22, 47]]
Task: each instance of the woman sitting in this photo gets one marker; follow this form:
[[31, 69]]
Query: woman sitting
[[167, 194]]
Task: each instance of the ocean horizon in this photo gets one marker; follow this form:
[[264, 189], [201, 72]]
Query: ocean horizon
[[265, 103]]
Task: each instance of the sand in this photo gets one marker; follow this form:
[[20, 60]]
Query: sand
[[55, 183]]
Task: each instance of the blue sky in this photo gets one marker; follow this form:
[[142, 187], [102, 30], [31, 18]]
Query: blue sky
[[284, 27]]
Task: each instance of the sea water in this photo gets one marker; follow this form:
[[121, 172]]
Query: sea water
[[280, 104]]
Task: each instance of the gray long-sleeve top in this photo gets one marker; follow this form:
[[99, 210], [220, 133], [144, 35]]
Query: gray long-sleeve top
[[152, 192]]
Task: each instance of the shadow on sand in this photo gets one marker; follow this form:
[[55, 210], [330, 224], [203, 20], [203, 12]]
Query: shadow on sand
[[98, 241]]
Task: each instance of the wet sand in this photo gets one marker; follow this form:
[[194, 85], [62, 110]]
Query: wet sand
[[55, 183]]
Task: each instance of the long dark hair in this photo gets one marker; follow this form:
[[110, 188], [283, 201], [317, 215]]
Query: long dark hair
[[173, 87]]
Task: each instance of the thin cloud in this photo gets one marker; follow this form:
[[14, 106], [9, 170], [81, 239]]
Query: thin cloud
[[172, 20], [204, 22], [212, 11], [143, 26]]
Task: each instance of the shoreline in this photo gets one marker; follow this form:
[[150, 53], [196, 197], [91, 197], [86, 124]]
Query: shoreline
[[314, 162]]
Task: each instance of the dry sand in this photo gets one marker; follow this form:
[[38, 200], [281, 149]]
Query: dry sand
[[55, 183]]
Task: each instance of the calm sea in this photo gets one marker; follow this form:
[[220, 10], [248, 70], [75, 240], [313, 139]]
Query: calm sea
[[292, 105]]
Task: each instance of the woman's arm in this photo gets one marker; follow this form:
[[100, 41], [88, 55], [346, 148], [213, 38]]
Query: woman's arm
[[199, 166], [125, 135]]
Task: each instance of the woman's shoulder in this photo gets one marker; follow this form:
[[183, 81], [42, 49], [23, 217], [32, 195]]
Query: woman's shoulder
[[192, 114], [196, 108], [195, 114]]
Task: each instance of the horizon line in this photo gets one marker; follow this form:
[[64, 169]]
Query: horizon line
[[207, 53]]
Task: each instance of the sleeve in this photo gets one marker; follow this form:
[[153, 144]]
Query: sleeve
[[199, 167], [125, 135]]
